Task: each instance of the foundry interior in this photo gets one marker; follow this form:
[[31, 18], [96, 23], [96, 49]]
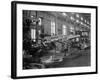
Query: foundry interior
[[56, 39]]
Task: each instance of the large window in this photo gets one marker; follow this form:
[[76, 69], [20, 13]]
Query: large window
[[53, 28], [64, 30], [72, 31], [33, 34], [40, 22]]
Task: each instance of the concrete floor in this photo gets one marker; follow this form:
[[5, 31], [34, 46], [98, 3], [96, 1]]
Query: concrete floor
[[77, 59]]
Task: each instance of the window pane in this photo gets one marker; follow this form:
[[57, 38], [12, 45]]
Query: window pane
[[52, 28], [33, 34], [64, 32]]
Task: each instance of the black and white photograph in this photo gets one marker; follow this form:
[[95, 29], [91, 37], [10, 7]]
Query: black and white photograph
[[53, 39], [56, 39]]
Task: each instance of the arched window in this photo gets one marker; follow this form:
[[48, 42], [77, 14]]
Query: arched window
[[53, 28], [64, 30], [72, 31], [33, 34]]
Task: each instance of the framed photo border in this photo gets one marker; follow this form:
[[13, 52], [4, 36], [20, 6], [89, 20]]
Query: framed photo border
[[14, 38]]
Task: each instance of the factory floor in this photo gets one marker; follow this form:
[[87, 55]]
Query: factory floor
[[77, 58]]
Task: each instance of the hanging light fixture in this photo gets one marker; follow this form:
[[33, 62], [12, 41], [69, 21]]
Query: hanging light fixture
[[77, 21], [82, 18], [64, 14], [72, 18], [77, 15], [32, 16], [82, 23]]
